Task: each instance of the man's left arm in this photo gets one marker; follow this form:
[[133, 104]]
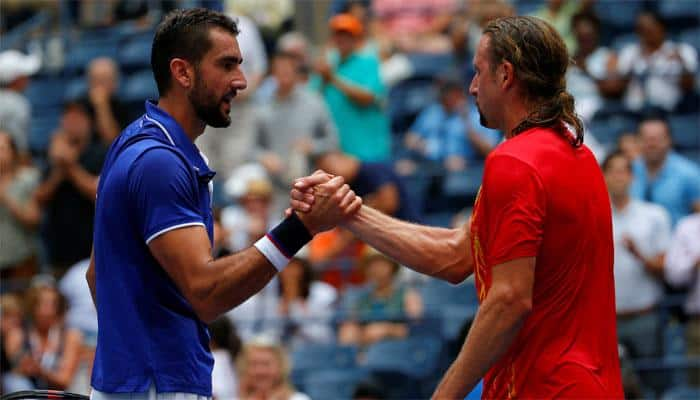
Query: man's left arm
[[496, 325]]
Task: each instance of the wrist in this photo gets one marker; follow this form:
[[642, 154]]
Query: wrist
[[281, 243]]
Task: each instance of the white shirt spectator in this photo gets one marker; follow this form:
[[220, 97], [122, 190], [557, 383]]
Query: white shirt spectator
[[683, 258], [81, 311], [252, 47], [655, 79], [223, 377], [582, 84], [259, 315], [649, 227], [313, 319]]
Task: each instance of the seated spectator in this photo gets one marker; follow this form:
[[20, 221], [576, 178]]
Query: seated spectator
[[656, 72], [51, 351], [641, 234], [443, 133], [293, 44], [662, 176], [11, 337], [380, 313], [15, 110], [291, 127], [225, 346], [350, 83], [628, 143], [19, 213], [110, 115], [264, 372], [683, 270], [586, 78], [559, 13], [307, 305], [69, 187], [414, 26]]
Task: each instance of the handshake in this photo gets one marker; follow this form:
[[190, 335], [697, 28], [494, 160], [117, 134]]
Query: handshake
[[322, 201]]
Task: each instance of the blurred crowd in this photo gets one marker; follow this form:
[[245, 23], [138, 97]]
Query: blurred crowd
[[383, 102]]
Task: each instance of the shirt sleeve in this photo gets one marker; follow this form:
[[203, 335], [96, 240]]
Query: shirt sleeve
[[662, 229], [679, 264], [515, 204], [163, 193]]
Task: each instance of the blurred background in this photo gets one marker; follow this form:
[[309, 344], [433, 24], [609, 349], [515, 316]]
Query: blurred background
[[342, 321]]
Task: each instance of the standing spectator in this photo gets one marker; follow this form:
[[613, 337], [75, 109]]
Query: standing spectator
[[683, 269], [110, 114], [19, 213], [69, 188], [51, 350], [381, 312], [641, 234], [662, 176], [656, 72], [15, 110], [586, 76], [227, 148], [264, 368], [225, 346], [306, 304], [443, 131], [293, 125], [351, 85]]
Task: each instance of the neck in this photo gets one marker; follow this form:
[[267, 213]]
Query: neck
[[184, 114], [653, 166], [384, 291], [620, 201], [517, 112], [283, 93]]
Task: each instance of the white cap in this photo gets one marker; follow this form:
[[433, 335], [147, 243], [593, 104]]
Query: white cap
[[14, 64]]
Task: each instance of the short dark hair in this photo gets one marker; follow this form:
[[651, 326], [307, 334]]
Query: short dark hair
[[184, 34], [655, 116], [586, 16], [613, 155]]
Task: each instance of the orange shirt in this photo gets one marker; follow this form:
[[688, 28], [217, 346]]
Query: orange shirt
[[542, 197]]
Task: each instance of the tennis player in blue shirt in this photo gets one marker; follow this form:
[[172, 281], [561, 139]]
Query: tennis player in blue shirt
[[152, 275]]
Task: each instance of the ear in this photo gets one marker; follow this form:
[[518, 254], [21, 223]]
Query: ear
[[506, 75], [182, 72]]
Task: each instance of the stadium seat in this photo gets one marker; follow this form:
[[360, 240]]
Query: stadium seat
[[135, 53], [608, 130], [679, 13], [464, 183], [316, 357], [336, 384], [436, 293], [685, 130], [405, 100], [41, 128], [429, 65], [76, 88], [139, 87], [620, 41], [620, 16], [691, 37], [45, 92], [84, 51], [682, 392]]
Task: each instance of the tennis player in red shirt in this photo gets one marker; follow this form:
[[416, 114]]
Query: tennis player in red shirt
[[540, 239]]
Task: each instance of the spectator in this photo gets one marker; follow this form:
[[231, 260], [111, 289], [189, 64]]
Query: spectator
[[642, 232], [264, 367], [51, 351], [110, 114], [82, 316], [683, 269], [15, 110], [225, 347], [415, 26], [306, 304], [292, 44], [351, 85], [559, 14], [11, 317], [291, 127], [440, 132], [272, 17], [662, 176], [586, 76], [69, 188], [19, 213], [381, 312], [656, 72], [228, 148], [628, 143]]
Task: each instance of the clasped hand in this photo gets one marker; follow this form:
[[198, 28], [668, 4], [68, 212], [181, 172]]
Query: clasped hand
[[322, 201]]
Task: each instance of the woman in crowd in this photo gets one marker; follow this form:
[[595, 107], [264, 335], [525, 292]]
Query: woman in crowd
[[264, 373]]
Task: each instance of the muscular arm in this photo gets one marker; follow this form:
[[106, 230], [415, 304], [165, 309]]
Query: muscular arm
[[211, 286], [438, 252], [497, 323]]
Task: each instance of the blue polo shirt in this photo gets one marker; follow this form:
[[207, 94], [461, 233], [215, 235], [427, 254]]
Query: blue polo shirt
[[676, 186], [154, 180]]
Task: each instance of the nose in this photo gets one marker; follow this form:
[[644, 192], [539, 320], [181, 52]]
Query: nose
[[239, 81], [473, 88]]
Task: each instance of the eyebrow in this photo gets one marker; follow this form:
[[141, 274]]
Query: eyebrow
[[233, 59]]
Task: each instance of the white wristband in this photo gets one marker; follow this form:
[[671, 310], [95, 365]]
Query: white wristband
[[273, 254]]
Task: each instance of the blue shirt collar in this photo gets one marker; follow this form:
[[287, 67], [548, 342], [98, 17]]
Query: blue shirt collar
[[174, 134]]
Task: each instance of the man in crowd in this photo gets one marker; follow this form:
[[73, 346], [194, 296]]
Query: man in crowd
[[540, 241], [111, 116], [15, 110]]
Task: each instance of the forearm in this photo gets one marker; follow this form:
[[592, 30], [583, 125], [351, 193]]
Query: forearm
[[231, 281], [438, 252], [46, 189], [495, 327], [355, 93], [107, 126], [27, 214], [84, 181]]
